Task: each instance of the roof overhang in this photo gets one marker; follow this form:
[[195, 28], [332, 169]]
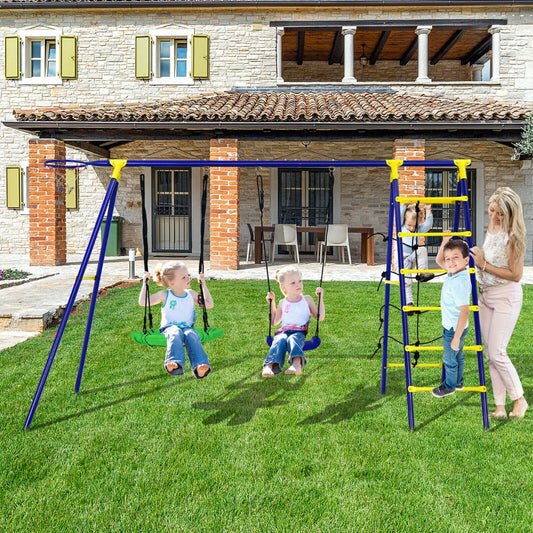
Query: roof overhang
[[99, 137]]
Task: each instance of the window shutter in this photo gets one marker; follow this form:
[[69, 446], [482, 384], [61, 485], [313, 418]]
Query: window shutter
[[14, 187], [12, 59], [200, 56], [143, 57], [72, 188], [68, 57]]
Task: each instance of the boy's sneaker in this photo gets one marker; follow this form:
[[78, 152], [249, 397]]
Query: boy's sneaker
[[426, 277], [410, 313], [441, 391], [461, 386]]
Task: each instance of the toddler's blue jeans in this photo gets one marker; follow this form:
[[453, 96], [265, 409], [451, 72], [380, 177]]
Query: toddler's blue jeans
[[453, 360], [290, 340]]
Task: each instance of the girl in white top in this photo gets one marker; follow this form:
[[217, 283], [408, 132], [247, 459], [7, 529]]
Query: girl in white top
[[500, 265], [178, 316], [293, 312]]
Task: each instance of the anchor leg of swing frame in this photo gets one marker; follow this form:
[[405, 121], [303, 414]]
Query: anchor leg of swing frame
[[94, 296], [70, 304]]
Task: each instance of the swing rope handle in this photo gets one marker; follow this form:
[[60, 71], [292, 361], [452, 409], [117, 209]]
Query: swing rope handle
[[329, 209], [147, 307], [261, 200], [201, 298]]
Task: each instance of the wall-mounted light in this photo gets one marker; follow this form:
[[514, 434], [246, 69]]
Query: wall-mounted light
[[363, 59]]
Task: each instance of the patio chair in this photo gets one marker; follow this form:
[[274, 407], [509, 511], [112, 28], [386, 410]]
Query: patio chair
[[337, 236], [285, 235], [251, 242]]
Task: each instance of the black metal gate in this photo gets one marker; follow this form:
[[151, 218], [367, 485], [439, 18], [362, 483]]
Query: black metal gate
[[171, 219]]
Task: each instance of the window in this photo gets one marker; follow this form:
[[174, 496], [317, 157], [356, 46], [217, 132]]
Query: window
[[178, 56], [43, 59], [443, 182], [40, 55]]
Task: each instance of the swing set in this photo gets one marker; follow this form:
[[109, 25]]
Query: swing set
[[107, 208]]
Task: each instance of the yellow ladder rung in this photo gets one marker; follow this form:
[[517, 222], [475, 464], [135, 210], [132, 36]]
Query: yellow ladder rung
[[438, 365], [429, 308], [403, 234], [410, 348], [390, 282], [431, 199], [411, 388], [430, 271]]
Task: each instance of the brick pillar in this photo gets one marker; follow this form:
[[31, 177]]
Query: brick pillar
[[46, 188], [412, 180], [224, 206]]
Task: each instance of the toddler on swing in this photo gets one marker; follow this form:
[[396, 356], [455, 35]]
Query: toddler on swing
[[293, 312], [178, 316]]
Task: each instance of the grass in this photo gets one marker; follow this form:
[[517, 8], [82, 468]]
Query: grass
[[139, 451]]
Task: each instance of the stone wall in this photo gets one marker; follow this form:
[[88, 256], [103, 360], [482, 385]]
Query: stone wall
[[247, 59]]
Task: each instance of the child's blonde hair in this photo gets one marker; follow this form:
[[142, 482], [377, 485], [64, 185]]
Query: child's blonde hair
[[513, 218], [282, 273], [165, 273]]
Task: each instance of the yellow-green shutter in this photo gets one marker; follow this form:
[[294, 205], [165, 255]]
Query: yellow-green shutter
[[12, 59], [14, 187], [72, 189], [68, 57], [143, 57], [200, 56]]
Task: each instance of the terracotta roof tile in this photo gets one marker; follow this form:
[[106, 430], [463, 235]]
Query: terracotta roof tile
[[274, 106]]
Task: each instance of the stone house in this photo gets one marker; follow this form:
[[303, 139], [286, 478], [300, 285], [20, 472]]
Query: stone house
[[275, 80]]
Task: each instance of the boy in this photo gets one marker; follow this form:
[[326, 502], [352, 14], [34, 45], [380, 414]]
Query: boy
[[453, 256]]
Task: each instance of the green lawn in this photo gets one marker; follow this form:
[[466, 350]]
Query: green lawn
[[139, 451]]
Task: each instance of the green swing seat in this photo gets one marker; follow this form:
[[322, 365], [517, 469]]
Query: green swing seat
[[154, 339]]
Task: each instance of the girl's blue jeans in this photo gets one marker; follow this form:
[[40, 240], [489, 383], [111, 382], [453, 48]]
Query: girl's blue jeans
[[453, 361], [291, 341], [176, 339]]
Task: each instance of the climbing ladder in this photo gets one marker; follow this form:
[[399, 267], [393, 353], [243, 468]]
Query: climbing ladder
[[461, 202]]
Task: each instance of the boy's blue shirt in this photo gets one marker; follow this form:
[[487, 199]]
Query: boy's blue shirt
[[456, 292]]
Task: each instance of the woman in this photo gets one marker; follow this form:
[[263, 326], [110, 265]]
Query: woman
[[500, 265]]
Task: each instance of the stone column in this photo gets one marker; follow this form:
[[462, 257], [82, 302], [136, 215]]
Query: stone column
[[495, 60], [46, 193], [477, 69], [279, 57], [224, 214], [423, 53], [348, 32]]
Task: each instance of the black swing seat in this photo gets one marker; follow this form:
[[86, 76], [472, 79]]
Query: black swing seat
[[154, 338], [311, 344]]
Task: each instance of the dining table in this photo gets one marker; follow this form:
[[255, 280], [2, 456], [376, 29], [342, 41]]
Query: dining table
[[367, 239]]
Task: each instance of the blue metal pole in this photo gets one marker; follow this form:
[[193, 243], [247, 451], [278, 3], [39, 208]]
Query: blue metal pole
[[387, 290], [462, 190], [94, 297], [68, 309], [405, 326]]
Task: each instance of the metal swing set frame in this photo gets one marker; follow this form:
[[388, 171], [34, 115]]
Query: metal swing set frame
[[107, 208]]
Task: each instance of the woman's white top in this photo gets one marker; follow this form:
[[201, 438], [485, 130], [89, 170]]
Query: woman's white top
[[495, 248]]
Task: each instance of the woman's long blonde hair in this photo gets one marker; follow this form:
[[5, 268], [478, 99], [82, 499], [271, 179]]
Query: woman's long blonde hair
[[513, 218]]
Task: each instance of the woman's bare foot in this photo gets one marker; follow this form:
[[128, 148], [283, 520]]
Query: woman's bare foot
[[296, 366], [202, 370], [499, 413], [519, 408]]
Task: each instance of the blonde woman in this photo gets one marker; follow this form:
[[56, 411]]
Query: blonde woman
[[500, 264]]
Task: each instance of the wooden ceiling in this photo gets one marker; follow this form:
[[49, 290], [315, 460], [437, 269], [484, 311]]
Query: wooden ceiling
[[465, 45]]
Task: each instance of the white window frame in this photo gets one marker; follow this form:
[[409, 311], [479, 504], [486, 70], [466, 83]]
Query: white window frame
[[173, 33], [43, 34]]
